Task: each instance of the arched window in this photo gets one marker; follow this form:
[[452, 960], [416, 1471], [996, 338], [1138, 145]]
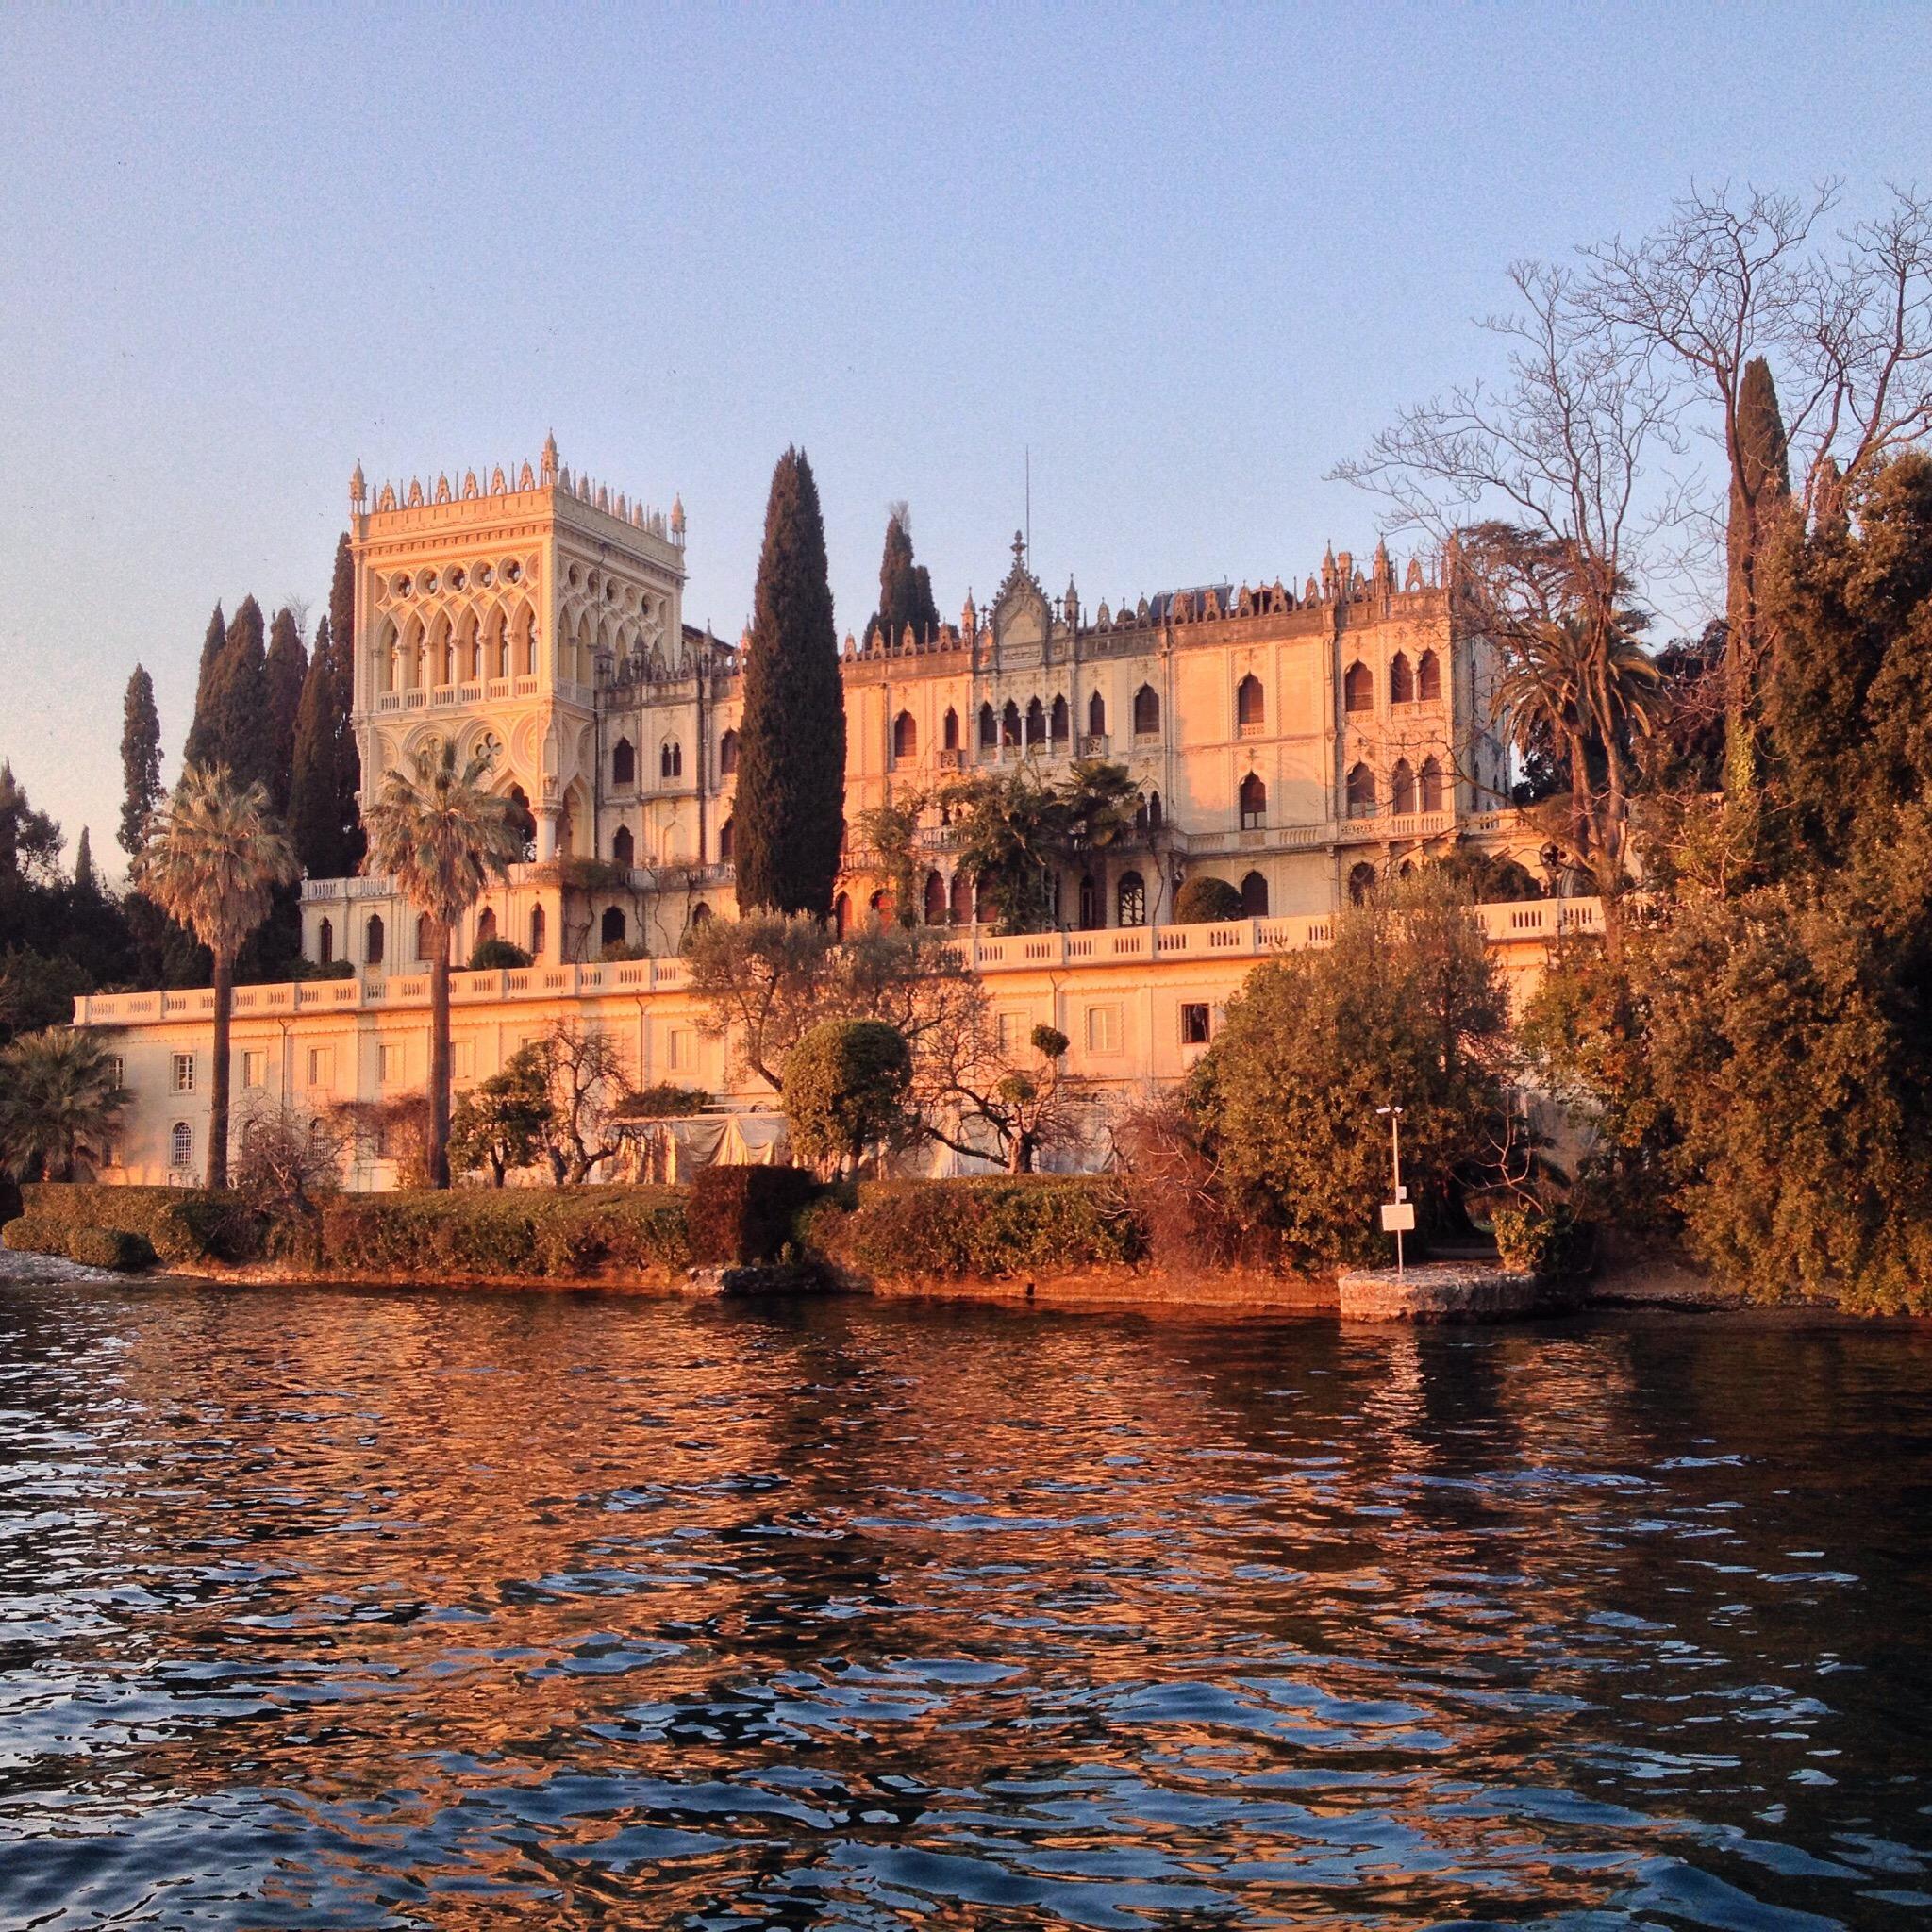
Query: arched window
[[842, 915], [671, 759], [371, 940], [624, 764], [727, 841], [1361, 884], [982, 903], [1089, 903], [1428, 678], [1096, 716], [1009, 726], [1402, 788], [1146, 711], [1401, 680], [905, 736], [1432, 785], [1250, 703], [1253, 896], [1036, 724], [1362, 792], [1058, 724], [950, 738], [1254, 800], [1130, 898], [700, 914], [486, 925], [935, 899], [182, 1145], [1155, 812], [960, 904], [425, 937], [1358, 689], [325, 944], [728, 755], [610, 932], [623, 848], [882, 905], [988, 728], [537, 932], [524, 820]]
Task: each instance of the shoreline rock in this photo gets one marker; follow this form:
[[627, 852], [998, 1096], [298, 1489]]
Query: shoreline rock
[[1446, 1291]]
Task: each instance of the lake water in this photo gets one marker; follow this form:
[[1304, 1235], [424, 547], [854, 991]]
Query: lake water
[[361, 1610]]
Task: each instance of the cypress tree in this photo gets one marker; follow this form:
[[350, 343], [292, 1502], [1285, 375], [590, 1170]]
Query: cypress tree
[[790, 810], [201, 726], [285, 672], [1761, 488], [140, 759], [314, 802], [84, 864], [341, 631], [238, 699], [905, 587]]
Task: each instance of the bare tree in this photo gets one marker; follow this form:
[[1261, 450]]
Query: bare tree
[[589, 1083], [981, 1097]]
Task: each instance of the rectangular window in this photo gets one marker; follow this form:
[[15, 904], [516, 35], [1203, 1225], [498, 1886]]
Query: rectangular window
[[1103, 1029], [321, 1066], [681, 1048], [119, 1067], [1013, 1032], [463, 1060], [389, 1063], [254, 1066], [184, 1073], [1193, 1023]]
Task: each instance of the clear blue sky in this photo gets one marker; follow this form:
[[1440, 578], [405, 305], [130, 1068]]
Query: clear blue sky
[[1192, 256]]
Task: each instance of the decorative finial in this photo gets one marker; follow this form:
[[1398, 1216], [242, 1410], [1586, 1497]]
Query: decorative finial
[[1018, 550], [359, 490], [678, 519], [550, 457]]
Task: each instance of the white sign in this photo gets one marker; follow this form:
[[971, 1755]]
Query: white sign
[[1398, 1217]]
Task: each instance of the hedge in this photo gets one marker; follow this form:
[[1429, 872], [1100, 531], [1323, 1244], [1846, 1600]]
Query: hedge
[[986, 1228], [741, 1215], [536, 1233], [34, 1234], [179, 1223], [110, 1247]]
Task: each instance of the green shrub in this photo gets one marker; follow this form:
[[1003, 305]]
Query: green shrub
[[1206, 901], [1542, 1241], [518, 1233], [739, 1216], [494, 956], [986, 1228], [34, 1234], [182, 1223], [110, 1247]]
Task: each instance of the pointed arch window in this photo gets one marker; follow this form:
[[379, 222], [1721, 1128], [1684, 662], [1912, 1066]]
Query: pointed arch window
[[1432, 785], [623, 848], [536, 932], [728, 755], [1254, 803], [1362, 792], [1428, 678], [905, 736], [962, 899], [1253, 896], [1060, 723], [935, 900], [841, 916], [325, 944], [1096, 716], [1250, 703], [371, 940], [1402, 788], [1036, 724], [1130, 900], [1146, 711], [950, 730], [425, 937], [1009, 726], [486, 925], [1089, 903], [1401, 680], [1358, 687], [727, 841], [611, 931], [671, 759], [988, 728], [624, 764], [1361, 884]]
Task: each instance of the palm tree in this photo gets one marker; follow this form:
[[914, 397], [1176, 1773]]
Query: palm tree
[[59, 1101], [213, 857], [441, 835]]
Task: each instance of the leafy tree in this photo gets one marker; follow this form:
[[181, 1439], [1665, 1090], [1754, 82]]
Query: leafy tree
[[285, 672], [84, 879], [663, 1100], [38, 990], [441, 836], [504, 1122], [905, 587], [59, 1101], [140, 759], [889, 835], [202, 735], [213, 859], [846, 1084], [1406, 1008], [1206, 900], [30, 842], [792, 736]]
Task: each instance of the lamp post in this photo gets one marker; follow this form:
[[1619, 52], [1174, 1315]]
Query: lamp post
[[1398, 1214]]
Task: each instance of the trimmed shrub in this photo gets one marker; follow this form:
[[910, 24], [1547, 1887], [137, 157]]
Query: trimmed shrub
[[1206, 901], [181, 1224], [110, 1247], [739, 1216], [493, 956], [987, 1228], [34, 1234], [517, 1233]]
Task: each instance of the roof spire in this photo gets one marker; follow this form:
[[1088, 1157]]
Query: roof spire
[[550, 457]]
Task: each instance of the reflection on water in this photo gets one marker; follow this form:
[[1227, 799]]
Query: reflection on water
[[354, 1609]]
